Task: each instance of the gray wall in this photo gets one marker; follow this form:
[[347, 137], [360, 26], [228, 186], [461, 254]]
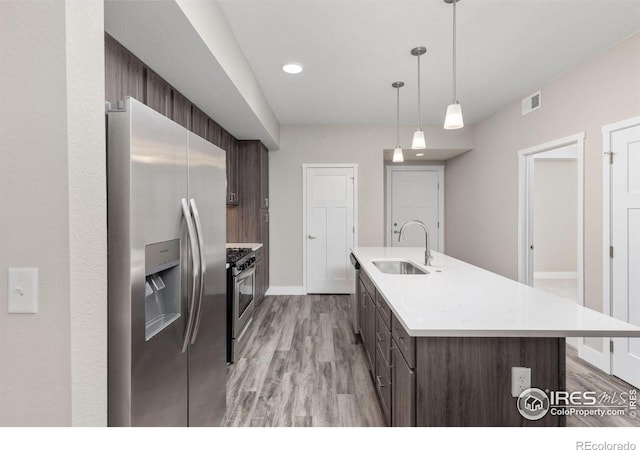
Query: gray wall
[[333, 144], [53, 203], [482, 185]]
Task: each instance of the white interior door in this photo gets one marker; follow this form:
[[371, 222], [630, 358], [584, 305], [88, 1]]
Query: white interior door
[[415, 195], [625, 233], [329, 229]]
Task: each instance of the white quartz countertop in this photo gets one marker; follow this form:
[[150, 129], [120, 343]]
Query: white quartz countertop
[[252, 245], [459, 299]]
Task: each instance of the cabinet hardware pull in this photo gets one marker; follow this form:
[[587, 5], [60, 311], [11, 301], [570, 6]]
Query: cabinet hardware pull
[[378, 378]]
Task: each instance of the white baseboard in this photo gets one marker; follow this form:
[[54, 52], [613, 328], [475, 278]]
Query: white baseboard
[[286, 290], [555, 275]]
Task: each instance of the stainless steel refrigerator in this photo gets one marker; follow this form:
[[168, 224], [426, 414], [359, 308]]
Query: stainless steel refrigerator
[[167, 276]]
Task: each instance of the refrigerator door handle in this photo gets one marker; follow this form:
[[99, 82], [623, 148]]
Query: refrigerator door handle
[[195, 261], [203, 267]]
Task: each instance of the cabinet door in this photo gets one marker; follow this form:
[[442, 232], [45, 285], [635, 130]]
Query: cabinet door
[[198, 122], [383, 385], [370, 330], [362, 304], [403, 393], [264, 177], [259, 282], [124, 73], [158, 94], [214, 133], [264, 238], [232, 169], [180, 109]]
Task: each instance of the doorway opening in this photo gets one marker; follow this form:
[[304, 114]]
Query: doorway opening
[[550, 224]]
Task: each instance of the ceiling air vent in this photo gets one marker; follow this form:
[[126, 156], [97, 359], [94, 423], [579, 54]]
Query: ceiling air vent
[[531, 103]]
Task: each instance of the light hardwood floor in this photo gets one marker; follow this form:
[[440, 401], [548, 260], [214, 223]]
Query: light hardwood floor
[[302, 366]]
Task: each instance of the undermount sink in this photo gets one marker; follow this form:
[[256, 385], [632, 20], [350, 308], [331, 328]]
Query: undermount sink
[[399, 268]]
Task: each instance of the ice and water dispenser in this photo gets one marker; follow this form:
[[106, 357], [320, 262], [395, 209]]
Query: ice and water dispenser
[[162, 286]]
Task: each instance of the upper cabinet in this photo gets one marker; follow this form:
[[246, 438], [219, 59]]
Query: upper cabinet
[[158, 94], [199, 122], [264, 176], [123, 73], [232, 168], [180, 109]]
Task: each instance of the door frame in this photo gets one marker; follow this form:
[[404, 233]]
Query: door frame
[[354, 166], [417, 168], [525, 212], [604, 361]]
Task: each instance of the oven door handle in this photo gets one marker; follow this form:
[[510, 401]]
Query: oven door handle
[[195, 263]]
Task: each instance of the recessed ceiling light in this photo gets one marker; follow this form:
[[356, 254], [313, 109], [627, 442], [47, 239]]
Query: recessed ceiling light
[[292, 68], [419, 154]]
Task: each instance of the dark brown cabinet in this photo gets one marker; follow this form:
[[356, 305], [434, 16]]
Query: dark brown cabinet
[[199, 122], [403, 391], [158, 94], [264, 177], [383, 379], [370, 330], [249, 220], [383, 385], [180, 109], [232, 175], [124, 73], [260, 286]]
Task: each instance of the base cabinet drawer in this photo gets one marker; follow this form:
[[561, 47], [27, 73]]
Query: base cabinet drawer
[[405, 343], [403, 391], [382, 380]]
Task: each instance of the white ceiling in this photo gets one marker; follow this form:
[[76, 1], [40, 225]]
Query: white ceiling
[[352, 50]]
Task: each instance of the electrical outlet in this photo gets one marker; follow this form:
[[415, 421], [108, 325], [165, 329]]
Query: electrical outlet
[[520, 380]]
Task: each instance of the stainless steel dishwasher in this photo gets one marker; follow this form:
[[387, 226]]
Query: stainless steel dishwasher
[[355, 295]]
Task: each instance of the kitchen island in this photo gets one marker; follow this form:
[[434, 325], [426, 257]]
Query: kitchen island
[[441, 345]]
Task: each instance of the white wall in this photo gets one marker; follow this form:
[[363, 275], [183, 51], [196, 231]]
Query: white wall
[[333, 144], [53, 203], [555, 215], [482, 185]]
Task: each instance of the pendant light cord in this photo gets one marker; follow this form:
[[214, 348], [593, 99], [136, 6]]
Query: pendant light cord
[[419, 107], [398, 118], [455, 97]]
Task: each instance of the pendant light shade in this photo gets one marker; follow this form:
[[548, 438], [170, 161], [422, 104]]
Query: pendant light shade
[[398, 156], [418, 142], [453, 120]]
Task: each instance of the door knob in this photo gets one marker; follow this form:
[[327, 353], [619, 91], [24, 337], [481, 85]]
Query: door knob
[[311, 237]]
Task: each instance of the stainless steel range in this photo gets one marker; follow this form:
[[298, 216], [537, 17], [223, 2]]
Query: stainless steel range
[[241, 288]]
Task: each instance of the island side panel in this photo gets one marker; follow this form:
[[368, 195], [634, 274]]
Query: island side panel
[[467, 381]]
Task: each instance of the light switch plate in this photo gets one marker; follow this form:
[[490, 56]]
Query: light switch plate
[[23, 290]]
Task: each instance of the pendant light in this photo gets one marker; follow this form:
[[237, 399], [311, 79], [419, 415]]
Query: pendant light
[[398, 156], [453, 120], [418, 142]]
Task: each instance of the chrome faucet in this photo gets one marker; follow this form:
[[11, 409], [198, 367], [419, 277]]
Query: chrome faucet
[[427, 253]]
